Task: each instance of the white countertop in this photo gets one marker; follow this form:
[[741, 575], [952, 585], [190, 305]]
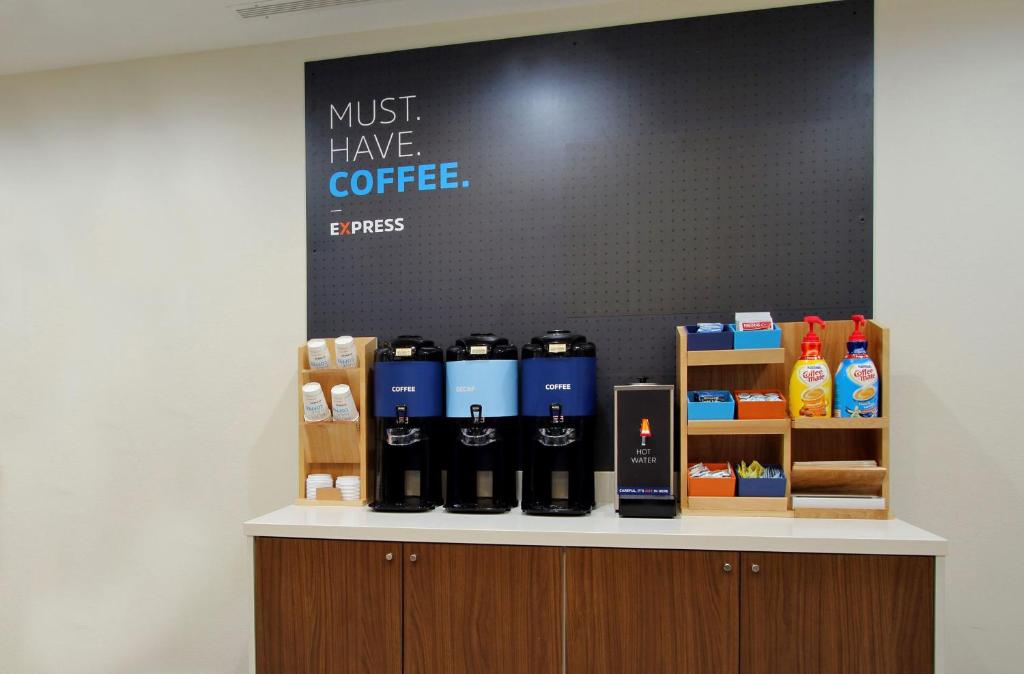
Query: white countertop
[[603, 529]]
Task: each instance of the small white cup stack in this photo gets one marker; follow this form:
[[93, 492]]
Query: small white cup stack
[[316, 481], [349, 486]]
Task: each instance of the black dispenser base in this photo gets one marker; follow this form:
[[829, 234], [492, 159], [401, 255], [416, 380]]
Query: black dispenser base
[[556, 509], [410, 505], [648, 507], [482, 507]]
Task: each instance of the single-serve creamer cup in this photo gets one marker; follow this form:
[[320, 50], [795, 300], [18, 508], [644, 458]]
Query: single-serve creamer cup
[[342, 403], [345, 352], [319, 358], [314, 407]]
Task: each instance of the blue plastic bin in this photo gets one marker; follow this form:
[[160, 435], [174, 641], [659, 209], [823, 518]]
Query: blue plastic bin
[[707, 341], [761, 486], [755, 339], [696, 411]]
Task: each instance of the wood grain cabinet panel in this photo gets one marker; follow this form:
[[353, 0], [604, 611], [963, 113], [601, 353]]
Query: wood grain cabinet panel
[[837, 614], [328, 607], [651, 611], [482, 609]]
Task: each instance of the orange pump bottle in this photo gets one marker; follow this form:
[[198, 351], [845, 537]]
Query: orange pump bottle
[[810, 385]]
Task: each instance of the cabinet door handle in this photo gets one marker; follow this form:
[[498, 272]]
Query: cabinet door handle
[[412, 558], [727, 567], [389, 556], [756, 568]]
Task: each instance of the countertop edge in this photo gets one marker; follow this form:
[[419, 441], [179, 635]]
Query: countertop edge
[[923, 544]]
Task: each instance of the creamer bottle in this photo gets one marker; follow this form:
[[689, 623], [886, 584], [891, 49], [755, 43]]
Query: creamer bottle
[[857, 384], [810, 386]]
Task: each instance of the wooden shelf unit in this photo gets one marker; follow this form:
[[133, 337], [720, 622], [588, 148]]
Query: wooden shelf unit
[[739, 506], [831, 439], [828, 424], [736, 357], [339, 447], [738, 427], [735, 440], [778, 440]]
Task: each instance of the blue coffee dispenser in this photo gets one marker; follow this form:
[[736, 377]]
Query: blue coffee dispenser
[[408, 397], [558, 403], [482, 410]]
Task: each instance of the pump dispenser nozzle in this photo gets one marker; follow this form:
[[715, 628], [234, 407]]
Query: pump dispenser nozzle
[[811, 321], [858, 323], [811, 344]]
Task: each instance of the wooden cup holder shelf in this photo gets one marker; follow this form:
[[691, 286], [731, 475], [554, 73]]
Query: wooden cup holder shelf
[[332, 441], [338, 447]]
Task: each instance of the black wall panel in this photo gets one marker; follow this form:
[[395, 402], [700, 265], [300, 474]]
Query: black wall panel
[[621, 181]]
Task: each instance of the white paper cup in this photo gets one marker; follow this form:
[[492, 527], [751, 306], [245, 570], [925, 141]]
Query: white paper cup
[[314, 406], [345, 352], [319, 357], [342, 403]]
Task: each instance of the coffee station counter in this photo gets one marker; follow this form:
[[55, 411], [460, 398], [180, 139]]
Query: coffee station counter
[[346, 590], [603, 529]]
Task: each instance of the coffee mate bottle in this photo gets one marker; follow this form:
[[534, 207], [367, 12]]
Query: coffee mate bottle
[[810, 385], [857, 383]]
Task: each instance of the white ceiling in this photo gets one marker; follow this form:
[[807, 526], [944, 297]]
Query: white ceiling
[[45, 34]]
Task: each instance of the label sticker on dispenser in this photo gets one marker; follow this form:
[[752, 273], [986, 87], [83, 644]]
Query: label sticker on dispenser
[[416, 384], [492, 384], [568, 381]]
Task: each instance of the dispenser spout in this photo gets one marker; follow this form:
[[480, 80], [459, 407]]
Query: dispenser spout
[[858, 322]]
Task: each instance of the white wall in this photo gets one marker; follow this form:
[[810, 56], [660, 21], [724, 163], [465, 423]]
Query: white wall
[[949, 168], [152, 293]]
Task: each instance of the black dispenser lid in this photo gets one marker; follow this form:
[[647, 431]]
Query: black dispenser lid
[[409, 347], [482, 346], [559, 344]]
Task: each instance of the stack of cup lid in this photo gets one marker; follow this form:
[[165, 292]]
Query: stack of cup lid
[[349, 486], [316, 481]]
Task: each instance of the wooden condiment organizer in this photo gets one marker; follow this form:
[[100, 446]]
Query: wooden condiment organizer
[[339, 447], [779, 441]]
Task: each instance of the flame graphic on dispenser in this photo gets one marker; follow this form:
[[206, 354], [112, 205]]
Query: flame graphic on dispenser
[[645, 431]]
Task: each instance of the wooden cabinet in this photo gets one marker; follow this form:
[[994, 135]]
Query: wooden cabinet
[[327, 607], [651, 611], [482, 608], [837, 614], [343, 607]]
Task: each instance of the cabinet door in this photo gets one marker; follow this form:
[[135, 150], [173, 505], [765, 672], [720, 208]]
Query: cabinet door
[[473, 609], [651, 611], [837, 614], [327, 607]]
